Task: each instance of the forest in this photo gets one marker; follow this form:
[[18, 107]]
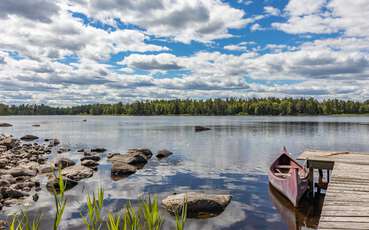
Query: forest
[[230, 106]]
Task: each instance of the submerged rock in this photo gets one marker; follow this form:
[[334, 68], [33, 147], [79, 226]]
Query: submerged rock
[[36, 125], [163, 153], [7, 192], [77, 172], [201, 128], [5, 125], [29, 137], [199, 205]]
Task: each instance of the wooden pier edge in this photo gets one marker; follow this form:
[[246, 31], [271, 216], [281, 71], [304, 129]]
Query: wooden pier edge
[[346, 204]]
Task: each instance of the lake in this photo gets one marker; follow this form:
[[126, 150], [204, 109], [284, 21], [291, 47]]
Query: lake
[[232, 158]]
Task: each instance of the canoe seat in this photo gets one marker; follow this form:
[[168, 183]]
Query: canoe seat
[[282, 174], [284, 166]]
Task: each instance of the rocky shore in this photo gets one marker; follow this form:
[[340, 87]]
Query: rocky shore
[[25, 160]]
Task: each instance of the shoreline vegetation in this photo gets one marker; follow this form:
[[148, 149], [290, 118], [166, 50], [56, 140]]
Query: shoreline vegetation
[[209, 107]]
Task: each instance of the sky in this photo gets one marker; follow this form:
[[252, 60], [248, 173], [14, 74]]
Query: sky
[[64, 53]]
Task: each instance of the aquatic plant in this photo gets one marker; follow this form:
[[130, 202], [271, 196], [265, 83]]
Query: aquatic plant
[[151, 215], [23, 222], [181, 216], [145, 216], [59, 199], [93, 220]]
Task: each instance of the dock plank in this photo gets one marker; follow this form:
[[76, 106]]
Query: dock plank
[[346, 204]]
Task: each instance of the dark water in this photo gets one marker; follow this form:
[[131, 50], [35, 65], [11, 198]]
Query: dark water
[[231, 158]]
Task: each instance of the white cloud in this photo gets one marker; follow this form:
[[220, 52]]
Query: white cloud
[[272, 10], [182, 20]]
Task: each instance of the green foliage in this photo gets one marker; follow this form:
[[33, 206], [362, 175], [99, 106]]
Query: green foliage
[[60, 201], [181, 216], [151, 215], [93, 219], [22, 221], [229, 106]]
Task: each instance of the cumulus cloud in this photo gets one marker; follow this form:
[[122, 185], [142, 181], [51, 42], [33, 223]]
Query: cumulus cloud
[[47, 55], [40, 10], [163, 61], [182, 20]]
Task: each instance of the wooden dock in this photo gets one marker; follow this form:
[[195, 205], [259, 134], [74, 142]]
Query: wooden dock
[[346, 204]]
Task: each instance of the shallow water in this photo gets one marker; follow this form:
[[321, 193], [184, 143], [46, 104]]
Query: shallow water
[[231, 158]]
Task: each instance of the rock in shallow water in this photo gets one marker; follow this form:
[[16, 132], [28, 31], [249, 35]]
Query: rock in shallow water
[[163, 153], [129, 158], [54, 184], [201, 128], [64, 162], [122, 169], [77, 172], [5, 125], [199, 205], [29, 137]]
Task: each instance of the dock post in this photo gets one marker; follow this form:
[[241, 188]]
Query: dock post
[[311, 179]]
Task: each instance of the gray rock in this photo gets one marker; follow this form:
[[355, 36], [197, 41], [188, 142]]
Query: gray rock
[[90, 163], [77, 172], [110, 155], [21, 172], [64, 162], [122, 169], [29, 137], [98, 150], [7, 192], [92, 157], [163, 153], [201, 128], [129, 158], [45, 169], [36, 125], [199, 205], [145, 152], [5, 125], [4, 183]]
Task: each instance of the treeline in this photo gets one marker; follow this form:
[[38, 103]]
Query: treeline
[[231, 106]]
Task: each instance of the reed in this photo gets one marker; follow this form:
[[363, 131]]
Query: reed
[[145, 217], [59, 200], [93, 219], [181, 216]]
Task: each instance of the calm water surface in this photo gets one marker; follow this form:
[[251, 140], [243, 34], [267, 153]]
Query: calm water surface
[[231, 158]]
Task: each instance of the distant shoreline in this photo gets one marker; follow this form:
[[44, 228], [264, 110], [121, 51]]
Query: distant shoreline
[[209, 107]]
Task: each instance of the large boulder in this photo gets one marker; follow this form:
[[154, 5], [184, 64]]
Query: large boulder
[[163, 153], [5, 125], [8, 141], [130, 158], [29, 137], [199, 205], [77, 172], [122, 169], [64, 162]]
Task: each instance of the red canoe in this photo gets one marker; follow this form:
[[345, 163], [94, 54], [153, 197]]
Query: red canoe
[[288, 177]]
